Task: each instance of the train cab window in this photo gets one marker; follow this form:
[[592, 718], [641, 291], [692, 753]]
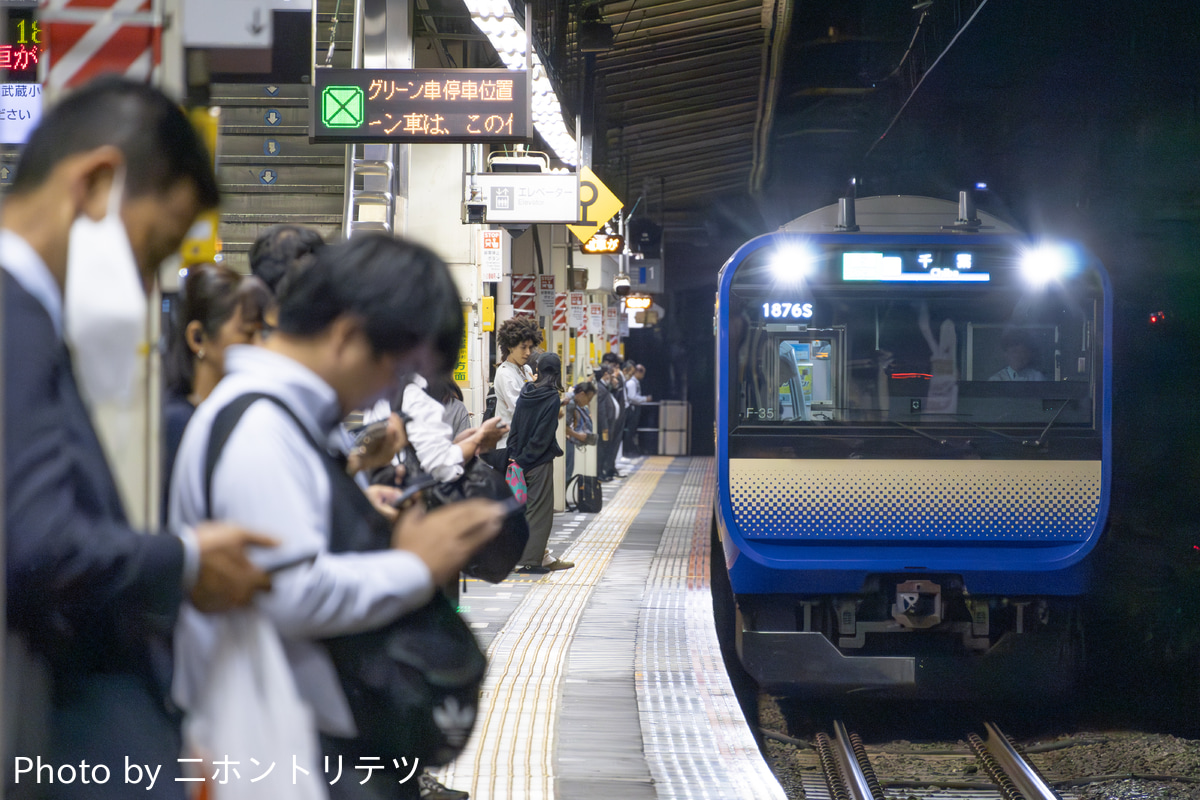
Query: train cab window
[[995, 355], [804, 382]]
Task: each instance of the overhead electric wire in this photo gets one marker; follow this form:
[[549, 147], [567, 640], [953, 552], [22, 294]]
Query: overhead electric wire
[[912, 43], [913, 93]]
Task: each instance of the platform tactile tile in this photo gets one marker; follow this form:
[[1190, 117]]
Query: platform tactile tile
[[511, 754], [696, 740]]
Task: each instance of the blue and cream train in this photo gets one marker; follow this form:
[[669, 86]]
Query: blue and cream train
[[913, 444]]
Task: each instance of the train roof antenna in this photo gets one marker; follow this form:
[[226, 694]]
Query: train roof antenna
[[846, 220]]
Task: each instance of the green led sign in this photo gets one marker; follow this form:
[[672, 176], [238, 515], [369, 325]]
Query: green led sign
[[342, 106], [420, 105]]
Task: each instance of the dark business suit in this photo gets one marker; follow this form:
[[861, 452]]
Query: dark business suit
[[95, 598], [606, 423]]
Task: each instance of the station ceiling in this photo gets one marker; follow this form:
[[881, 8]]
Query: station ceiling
[[707, 103], [686, 92], [728, 118]]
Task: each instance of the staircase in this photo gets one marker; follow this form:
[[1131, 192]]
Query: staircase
[[268, 172]]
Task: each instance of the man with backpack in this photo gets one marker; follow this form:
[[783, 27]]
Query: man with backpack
[[364, 313]]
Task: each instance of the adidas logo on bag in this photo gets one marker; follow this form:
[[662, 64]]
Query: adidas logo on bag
[[454, 721]]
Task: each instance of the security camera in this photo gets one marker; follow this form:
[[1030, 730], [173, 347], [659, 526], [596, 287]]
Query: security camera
[[474, 213], [621, 284]]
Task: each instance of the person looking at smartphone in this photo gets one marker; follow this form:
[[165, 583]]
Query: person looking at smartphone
[[433, 446], [579, 422], [366, 312], [106, 188], [533, 447]]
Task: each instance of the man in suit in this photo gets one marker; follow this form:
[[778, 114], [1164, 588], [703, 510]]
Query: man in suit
[[107, 186], [608, 412]]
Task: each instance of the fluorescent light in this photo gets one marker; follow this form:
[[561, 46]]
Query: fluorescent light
[[496, 20]]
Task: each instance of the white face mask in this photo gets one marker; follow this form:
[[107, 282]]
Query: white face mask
[[104, 308]]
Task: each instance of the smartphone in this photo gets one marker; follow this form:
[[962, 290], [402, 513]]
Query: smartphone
[[367, 435], [417, 484], [293, 560]]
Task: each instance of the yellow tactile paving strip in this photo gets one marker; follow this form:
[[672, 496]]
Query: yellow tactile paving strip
[[696, 741], [511, 753]]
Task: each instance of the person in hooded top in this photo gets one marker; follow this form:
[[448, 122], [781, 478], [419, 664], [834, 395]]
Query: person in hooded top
[[533, 446]]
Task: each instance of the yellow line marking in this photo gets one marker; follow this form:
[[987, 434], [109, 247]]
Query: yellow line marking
[[511, 753]]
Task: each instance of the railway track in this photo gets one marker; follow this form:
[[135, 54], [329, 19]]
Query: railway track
[[846, 772]]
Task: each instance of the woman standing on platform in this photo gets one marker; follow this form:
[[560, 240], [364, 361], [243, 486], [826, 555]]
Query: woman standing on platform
[[217, 308], [533, 446], [517, 337]]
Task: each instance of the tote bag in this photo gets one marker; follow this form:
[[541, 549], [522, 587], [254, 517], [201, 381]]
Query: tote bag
[[516, 481]]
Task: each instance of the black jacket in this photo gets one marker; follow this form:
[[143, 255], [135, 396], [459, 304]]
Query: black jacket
[[531, 440], [81, 584], [606, 415], [96, 598]]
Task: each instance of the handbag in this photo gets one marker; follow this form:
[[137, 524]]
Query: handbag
[[412, 685], [515, 477], [489, 403], [495, 560]]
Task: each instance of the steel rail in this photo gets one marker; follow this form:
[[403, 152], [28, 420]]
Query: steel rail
[[849, 775], [857, 779], [1024, 776]]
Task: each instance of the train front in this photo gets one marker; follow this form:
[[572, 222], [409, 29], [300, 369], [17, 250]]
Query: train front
[[913, 450]]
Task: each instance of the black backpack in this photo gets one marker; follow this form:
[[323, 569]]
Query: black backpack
[[495, 560], [489, 403], [583, 494], [413, 685]]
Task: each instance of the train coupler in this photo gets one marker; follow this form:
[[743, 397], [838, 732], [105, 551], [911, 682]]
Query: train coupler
[[918, 604]]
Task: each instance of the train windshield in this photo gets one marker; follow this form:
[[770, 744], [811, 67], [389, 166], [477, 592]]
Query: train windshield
[[917, 337]]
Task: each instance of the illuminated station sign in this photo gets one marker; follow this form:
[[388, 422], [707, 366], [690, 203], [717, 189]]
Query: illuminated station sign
[[420, 105], [21, 48], [604, 243]]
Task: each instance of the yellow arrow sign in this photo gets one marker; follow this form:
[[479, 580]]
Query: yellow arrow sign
[[597, 204]]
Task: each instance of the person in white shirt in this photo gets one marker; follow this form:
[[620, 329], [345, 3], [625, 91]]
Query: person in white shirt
[[365, 312], [1018, 357], [635, 399], [518, 338], [432, 439]]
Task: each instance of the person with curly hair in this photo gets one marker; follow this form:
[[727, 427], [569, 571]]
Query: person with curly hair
[[517, 337]]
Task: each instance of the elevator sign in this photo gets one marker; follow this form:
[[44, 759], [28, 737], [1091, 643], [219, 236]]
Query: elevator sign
[[420, 105]]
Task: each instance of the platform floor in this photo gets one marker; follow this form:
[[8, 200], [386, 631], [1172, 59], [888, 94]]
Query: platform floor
[[606, 680]]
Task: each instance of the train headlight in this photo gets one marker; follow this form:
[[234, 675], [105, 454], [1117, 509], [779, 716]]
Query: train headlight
[[793, 263], [1047, 262]]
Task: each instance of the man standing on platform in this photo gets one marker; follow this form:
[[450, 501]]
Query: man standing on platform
[[633, 416], [106, 188], [608, 412]]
